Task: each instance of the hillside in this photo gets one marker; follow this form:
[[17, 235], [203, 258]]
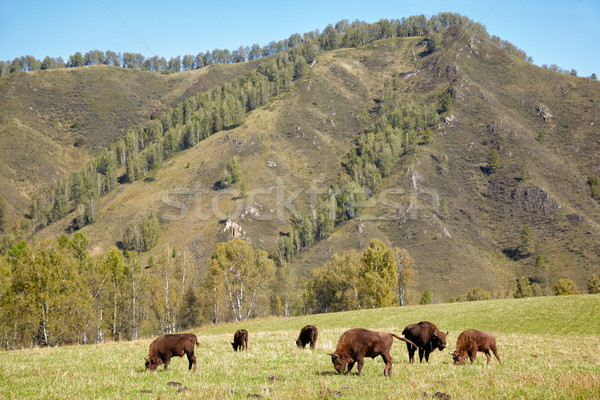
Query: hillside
[[546, 352], [460, 222], [53, 121]]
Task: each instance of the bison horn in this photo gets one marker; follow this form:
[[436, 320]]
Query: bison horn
[[447, 333], [333, 355]]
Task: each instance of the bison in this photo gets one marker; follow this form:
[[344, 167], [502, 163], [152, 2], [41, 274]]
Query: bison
[[427, 337], [308, 335], [356, 344], [470, 342], [240, 340], [166, 346]]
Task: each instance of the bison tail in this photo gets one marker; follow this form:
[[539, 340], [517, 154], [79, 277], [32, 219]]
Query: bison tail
[[404, 339]]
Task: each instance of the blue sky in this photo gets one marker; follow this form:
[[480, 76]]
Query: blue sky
[[565, 33]]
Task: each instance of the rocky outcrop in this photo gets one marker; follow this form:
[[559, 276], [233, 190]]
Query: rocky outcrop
[[534, 199]]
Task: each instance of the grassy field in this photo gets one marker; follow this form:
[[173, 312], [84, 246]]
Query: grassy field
[[550, 348]]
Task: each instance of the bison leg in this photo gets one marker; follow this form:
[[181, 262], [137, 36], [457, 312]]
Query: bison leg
[[421, 353], [192, 361], [350, 366], [361, 362], [388, 364], [167, 361], [312, 344], [427, 353], [488, 356], [495, 351], [472, 356]]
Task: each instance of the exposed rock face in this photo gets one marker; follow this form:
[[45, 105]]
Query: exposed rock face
[[534, 200], [234, 229], [544, 112]]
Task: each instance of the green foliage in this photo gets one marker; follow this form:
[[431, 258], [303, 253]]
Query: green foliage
[[526, 247], [426, 298], [564, 287], [234, 168], [524, 289], [444, 101], [361, 280], [493, 161], [244, 273], [594, 183], [3, 216], [379, 275], [142, 234], [593, 284], [541, 137], [523, 175], [434, 42], [336, 285], [540, 264], [475, 294]]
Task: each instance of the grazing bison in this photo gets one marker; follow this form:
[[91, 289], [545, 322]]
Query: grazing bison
[[166, 346], [240, 340], [356, 344], [308, 335], [470, 342], [426, 336]]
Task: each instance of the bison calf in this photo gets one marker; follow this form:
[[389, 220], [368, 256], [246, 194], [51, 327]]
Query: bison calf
[[356, 344], [166, 346], [308, 335], [240, 340], [470, 342], [427, 337]]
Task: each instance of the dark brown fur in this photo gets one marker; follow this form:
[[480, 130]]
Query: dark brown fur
[[308, 335], [470, 342], [427, 337], [166, 346], [240, 340], [356, 344]]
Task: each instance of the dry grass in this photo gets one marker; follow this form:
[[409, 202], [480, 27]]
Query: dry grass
[[563, 365]]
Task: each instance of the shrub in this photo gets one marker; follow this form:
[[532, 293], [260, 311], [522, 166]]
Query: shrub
[[593, 285], [564, 287]]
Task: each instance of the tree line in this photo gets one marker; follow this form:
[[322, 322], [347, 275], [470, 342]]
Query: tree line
[[343, 34], [52, 292]]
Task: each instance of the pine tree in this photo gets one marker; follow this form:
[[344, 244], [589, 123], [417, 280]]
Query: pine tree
[[426, 298]]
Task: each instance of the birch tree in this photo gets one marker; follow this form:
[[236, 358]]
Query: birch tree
[[406, 275], [246, 273]]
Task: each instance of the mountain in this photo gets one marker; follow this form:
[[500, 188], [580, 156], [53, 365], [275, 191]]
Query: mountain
[[53, 121], [460, 217]]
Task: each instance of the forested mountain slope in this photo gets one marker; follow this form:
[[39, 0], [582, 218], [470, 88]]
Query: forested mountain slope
[[53, 121], [472, 159]]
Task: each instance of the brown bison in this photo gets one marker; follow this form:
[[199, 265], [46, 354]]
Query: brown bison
[[240, 340], [356, 344], [427, 337], [308, 335], [166, 346], [470, 342]]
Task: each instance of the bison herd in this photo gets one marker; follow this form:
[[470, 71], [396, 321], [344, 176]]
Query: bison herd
[[352, 348]]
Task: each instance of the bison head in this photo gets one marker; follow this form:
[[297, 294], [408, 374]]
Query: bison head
[[459, 358], [151, 365], [339, 362], [439, 340]]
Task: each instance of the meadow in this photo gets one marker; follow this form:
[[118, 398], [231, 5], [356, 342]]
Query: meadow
[[550, 348]]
